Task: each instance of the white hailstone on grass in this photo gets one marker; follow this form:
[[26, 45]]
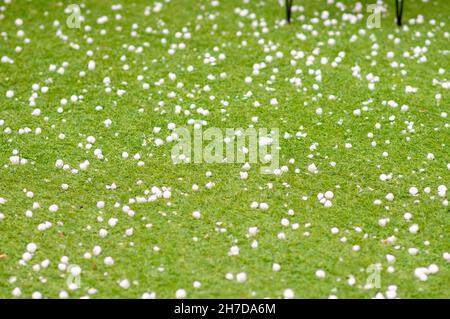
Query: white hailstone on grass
[[312, 168], [53, 208], [124, 155], [383, 222], [31, 247], [407, 216], [84, 165], [234, 251], [241, 277], [442, 190], [159, 142], [391, 294], [335, 230], [252, 231], [413, 190], [36, 295], [196, 214], [327, 204], [433, 269], [413, 229], [264, 206], [288, 293], [15, 160], [97, 250], [16, 292], [100, 204], [229, 276], [180, 294], [329, 195], [351, 280], [147, 295], [108, 261], [75, 270], [27, 256], [112, 221], [430, 156], [390, 197], [421, 273], [319, 111], [91, 65], [320, 274], [44, 226], [390, 258], [125, 284], [197, 284], [167, 194], [9, 94], [103, 232], [276, 267], [92, 291]]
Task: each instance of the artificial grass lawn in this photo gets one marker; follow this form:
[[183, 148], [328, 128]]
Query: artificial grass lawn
[[181, 260]]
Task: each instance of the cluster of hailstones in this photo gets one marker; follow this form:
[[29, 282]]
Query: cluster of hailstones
[[325, 199]]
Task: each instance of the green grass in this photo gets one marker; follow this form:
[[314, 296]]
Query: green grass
[[181, 260]]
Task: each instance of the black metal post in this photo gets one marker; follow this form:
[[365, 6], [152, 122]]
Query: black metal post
[[399, 11], [288, 4]]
